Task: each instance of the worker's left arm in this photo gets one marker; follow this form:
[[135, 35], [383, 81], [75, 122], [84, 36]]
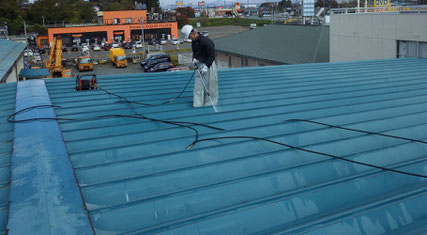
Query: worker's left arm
[[210, 51]]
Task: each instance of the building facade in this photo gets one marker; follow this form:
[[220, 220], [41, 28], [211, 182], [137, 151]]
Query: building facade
[[229, 60], [117, 26], [373, 36]]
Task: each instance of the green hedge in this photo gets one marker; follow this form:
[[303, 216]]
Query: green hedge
[[206, 22]]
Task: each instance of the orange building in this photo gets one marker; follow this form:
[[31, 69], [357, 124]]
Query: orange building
[[117, 26]]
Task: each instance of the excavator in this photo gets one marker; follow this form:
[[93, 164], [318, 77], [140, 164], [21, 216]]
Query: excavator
[[54, 62]]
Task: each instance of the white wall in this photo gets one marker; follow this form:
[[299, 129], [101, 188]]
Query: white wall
[[15, 70], [373, 36]]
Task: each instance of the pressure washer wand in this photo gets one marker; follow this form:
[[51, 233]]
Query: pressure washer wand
[[206, 90]]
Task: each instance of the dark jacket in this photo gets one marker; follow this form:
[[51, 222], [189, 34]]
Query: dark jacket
[[203, 50]]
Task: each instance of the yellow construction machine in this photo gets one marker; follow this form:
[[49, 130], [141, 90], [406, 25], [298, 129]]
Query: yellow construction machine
[[54, 62]]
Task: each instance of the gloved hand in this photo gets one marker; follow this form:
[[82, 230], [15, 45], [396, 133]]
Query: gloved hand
[[195, 61], [204, 69]]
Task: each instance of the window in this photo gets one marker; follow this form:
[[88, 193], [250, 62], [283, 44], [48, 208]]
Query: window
[[116, 21], [128, 20], [229, 62], [242, 62], [407, 49]]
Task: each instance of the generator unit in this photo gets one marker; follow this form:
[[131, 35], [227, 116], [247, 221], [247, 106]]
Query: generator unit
[[86, 82]]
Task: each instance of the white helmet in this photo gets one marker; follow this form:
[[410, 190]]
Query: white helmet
[[186, 30]]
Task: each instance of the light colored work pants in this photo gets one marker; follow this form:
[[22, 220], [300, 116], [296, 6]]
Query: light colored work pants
[[210, 80]]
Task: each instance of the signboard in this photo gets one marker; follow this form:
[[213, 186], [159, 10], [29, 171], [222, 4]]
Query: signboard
[[381, 3], [237, 5], [308, 8], [179, 3], [201, 4]]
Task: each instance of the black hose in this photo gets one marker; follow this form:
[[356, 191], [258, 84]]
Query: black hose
[[309, 151]]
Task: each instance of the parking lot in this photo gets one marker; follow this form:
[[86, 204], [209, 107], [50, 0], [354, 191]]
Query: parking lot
[[108, 68]]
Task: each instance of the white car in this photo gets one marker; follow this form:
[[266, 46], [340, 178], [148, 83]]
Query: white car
[[28, 52], [115, 45], [138, 44], [36, 56], [205, 33], [96, 47], [175, 41], [163, 41], [187, 40]]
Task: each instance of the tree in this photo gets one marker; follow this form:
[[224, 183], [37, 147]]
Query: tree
[[185, 11], [284, 4], [326, 3], [182, 20], [150, 4]]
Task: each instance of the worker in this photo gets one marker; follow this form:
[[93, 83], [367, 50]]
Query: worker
[[206, 78]]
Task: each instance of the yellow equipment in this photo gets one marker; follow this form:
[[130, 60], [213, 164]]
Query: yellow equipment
[[54, 63]]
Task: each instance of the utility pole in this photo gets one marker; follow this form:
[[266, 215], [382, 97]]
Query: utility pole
[[43, 20], [25, 31], [142, 34]]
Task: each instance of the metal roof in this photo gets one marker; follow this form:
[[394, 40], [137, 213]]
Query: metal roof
[[136, 175], [9, 53], [34, 73], [7, 107], [286, 44]]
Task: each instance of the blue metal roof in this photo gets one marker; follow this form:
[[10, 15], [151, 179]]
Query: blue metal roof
[[136, 176], [7, 107], [9, 53], [34, 73]]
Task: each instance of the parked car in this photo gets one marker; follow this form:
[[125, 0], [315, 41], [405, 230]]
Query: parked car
[[155, 57], [151, 63], [175, 41], [161, 67], [28, 52], [41, 50], [75, 48], [64, 49], [205, 33], [36, 56], [85, 50], [96, 47], [115, 45], [178, 69], [187, 40], [152, 41], [138, 44], [163, 41], [127, 45], [107, 46]]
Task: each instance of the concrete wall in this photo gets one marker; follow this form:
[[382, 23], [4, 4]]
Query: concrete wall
[[225, 60], [373, 36]]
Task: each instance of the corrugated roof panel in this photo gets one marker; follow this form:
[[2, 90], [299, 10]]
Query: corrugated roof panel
[[137, 176], [287, 44], [9, 53], [7, 107]]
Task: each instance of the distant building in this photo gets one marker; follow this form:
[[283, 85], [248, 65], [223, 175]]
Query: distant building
[[117, 26], [273, 45], [11, 60], [382, 35], [3, 32]]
